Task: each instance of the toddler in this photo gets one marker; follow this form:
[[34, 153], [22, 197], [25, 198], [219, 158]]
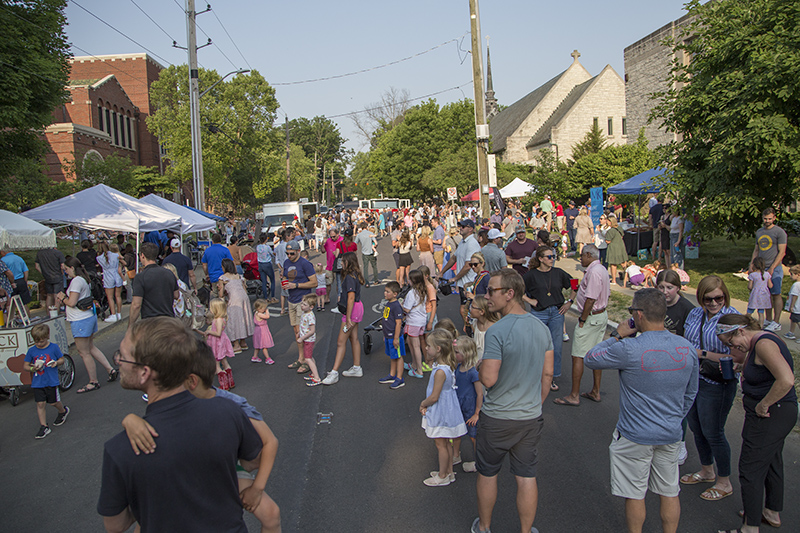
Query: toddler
[[43, 359], [793, 302], [220, 343], [307, 336], [759, 284], [322, 286], [262, 338], [470, 396]]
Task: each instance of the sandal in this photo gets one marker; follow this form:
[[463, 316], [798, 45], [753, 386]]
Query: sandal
[[303, 368], [694, 479], [113, 375], [92, 386], [714, 494], [553, 386], [294, 364]]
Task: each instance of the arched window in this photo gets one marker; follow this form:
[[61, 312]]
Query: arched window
[[130, 134], [100, 115], [122, 128]]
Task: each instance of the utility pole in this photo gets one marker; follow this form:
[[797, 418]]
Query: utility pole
[[288, 174], [481, 128], [194, 108]]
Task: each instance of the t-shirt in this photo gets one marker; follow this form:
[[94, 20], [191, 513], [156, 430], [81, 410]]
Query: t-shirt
[[364, 241], [656, 212], [465, 250], [50, 261], [87, 259], [494, 257], [465, 388], [306, 321], [518, 250], [546, 206], [79, 285], [538, 284], [190, 484], [416, 317], [46, 377], [181, 263], [248, 410], [213, 257], [633, 270], [156, 286], [794, 291], [350, 284], [571, 214], [481, 283], [767, 241], [438, 235], [657, 383], [392, 312], [520, 343], [676, 315], [299, 271]]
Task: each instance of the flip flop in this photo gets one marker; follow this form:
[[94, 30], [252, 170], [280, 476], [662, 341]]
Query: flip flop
[[713, 494], [92, 386], [694, 479], [764, 520], [553, 386], [588, 396], [562, 401]]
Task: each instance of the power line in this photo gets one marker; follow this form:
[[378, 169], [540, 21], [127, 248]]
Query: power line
[[231, 38], [373, 68], [210, 39], [121, 33], [403, 102], [153, 21]]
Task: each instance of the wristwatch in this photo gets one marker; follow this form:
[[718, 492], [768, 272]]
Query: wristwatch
[[703, 354]]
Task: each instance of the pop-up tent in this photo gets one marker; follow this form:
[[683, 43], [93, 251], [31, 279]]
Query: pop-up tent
[[516, 188], [191, 222], [640, 183], [20, 233], [206, 214]]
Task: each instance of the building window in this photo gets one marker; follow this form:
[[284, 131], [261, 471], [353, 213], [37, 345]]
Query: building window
[[595, 122], [116, 129], [130, 137], [122, 130], [610, 126], [624, 125], [108, 121], [100, 118]]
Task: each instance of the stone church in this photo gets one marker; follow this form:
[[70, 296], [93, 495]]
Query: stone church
[[558, 114]]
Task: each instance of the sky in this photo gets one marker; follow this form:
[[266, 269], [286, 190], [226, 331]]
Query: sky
[[297, 40]]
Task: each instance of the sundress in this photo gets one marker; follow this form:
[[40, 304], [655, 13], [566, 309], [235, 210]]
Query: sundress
[[443, 420]]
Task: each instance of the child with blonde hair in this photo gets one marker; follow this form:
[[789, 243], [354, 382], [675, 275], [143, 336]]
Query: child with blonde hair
[[307, 336], [482, 319], [759, 285], [219, 342], [441, 413], [322, 286], [470, 396], [447, 325], [262, 337]]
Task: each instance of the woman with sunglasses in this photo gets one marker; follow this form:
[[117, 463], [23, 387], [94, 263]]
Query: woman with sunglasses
[[714, 395], [770, 407], [481, 283], [544, 291]]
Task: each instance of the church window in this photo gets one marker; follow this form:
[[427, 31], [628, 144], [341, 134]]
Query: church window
[[624, 125], [611, 125], [116, 128], [108, 121], [100, 118], [130, 137], [595, 122], [122, 129]]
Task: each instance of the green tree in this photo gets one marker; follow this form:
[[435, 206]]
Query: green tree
[[735, 113], [364, 184], [30, 187], [34, 64], [610, 166], [549, 176], [90, 169], [592, 142], [150, 181]]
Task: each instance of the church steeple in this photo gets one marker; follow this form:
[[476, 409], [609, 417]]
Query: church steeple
[[492, 108]]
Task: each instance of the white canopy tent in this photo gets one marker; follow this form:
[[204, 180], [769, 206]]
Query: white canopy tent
[[20, 233], [191, 222], [516, 189]]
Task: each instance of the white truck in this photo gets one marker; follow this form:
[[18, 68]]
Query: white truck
[[382, 203], [274, 214]]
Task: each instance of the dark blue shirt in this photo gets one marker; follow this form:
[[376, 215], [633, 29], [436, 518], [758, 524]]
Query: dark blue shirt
[[213, 257], [391, 314], [299, 271], [182, 264]]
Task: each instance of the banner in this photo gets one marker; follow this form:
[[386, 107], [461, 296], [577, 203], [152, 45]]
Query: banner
[[596, 195]]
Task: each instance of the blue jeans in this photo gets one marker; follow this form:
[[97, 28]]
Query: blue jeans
[[707, 419], [265, 270], [555, 323], [573, 246]]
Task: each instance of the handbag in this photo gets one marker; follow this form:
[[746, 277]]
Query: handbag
[[84, 304], [339, 263]]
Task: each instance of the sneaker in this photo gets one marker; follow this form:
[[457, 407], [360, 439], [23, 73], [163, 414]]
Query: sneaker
[[452, 475], [313, 382], [119, 317], [773, 326], [255, 359], [398, 383], [353, 372], [414, 374], [387, 379], [476, 527], [335, 310], [426, 367], [469, 466], [112, 318], [436, 481], [331, 378], [407, 366], [269, 361], [43, 432], [457, 460], [682, 454], [790, 335], [565, 337], [62, 417]]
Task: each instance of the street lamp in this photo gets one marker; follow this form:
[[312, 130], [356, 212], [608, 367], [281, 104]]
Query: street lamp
[[242, 71]]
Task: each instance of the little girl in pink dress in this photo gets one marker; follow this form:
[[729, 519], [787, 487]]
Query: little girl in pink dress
[[262, 338]]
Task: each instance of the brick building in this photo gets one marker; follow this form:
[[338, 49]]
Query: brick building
[[109, 102]]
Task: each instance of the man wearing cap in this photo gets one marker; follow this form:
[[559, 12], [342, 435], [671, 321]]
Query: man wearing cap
[[492, 253], [212, 259], [464, 274], [301, 278], [571, 213], [520, 250], [182, 264]]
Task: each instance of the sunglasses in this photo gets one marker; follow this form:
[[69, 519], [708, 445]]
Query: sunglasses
[[474, 264], [632, 309], [715, 299], [548, 256], [491, 290]]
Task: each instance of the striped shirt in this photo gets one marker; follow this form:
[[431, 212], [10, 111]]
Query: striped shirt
[[691, 329]]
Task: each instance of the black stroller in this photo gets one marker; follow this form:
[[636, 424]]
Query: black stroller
[[377, 325]]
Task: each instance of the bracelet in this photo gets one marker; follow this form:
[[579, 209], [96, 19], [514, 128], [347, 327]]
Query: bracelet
[[703, 354], [582, 321]]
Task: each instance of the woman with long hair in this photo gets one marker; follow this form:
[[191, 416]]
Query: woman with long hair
[[425, 248], [83, 323], [584, 229], [342, 247], [352, 313], [240, 323], [109, 259], [617, 254], [600, 238], [715, 394], [405, 258], [416, 320]]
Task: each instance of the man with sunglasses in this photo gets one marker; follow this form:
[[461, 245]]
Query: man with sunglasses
[[464, 275], [658, 383], [300, 278]]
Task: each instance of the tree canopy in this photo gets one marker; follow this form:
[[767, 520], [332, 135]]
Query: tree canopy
[[734, 108]]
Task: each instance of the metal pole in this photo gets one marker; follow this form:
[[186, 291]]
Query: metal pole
[[480, 106], [194, 109], [288, 174]]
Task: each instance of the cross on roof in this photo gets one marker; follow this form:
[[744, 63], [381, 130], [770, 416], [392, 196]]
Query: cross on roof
[[575, 55]]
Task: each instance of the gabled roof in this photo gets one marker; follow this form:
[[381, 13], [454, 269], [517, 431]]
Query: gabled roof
[[542, 135], [505, 123]]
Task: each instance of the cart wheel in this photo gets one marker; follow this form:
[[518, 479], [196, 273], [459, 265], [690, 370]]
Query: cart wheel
[[367, 343], [66, 374], [14, 396]]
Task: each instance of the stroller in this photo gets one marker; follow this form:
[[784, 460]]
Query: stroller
[[377, 325], [252, 279]]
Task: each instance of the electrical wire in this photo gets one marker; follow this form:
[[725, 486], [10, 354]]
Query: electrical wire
[[456, 40], [403, 102], [210, 39], [153, 21], [231, 38]]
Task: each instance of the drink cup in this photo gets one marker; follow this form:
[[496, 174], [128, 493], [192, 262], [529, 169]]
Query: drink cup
[[285, 283], [726, 364], [574, 284]]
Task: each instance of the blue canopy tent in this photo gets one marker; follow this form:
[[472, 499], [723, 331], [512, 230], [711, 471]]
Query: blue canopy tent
[[640, 184], [209, 215]]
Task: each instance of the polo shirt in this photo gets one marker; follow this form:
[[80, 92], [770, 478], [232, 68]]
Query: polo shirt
[[181, 263], [466, 249], [190, 483], [156, 286], [299, 271], [15, 264], [213, 257], [494, 257], [594, 285], [438, 235]]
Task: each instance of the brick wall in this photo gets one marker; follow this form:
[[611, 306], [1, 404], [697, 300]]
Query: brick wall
[[69, 140]]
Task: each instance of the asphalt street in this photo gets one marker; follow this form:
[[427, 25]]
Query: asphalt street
[[363, 470]]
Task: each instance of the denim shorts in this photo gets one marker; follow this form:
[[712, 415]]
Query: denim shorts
[[84, 328], [777, 280]]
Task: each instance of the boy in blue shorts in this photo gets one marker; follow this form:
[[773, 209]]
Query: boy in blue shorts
[[43, 360], [393, 336]]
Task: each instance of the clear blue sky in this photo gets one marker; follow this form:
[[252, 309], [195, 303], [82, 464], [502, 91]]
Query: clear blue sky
[[288, 41]]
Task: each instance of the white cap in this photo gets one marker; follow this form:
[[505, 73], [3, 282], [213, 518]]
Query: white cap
[[494, 233], [175, 243]]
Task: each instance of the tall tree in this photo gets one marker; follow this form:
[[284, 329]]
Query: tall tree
[[734, 106], [610, 166], [592, 142], [34, 63], [379, 117]]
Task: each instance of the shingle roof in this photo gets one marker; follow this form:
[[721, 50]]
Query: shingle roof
[[542, 135], [505, 123], [82, 83]]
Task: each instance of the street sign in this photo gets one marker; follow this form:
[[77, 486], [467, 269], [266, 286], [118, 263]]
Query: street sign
[[452, 194]]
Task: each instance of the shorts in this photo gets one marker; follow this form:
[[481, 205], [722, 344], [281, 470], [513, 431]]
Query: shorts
[[322, 291], [438, 258], [472, 431], [308, 350], [590, 335], [46, 394], [357, 315], [637, 279], [635, 468], [84, 328], [516, 438], [241, 473], [391, 351], [794, 317], [777, 280], [295, 313], [414, 331], [53, 288]]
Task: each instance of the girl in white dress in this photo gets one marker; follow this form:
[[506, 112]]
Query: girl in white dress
[[110, 260]]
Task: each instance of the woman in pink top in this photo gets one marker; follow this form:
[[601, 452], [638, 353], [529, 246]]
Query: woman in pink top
[[330, 245]]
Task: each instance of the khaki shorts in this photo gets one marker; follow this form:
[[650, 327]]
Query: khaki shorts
[[294, 314], [438, 258], [637, 468], [590, 335]]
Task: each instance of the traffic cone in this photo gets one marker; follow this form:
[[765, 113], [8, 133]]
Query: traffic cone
[[231, 383]]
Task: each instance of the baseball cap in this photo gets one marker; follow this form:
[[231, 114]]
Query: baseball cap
[[494, 233], [175, 243], [467, 222], [519, 229], [293, 245]]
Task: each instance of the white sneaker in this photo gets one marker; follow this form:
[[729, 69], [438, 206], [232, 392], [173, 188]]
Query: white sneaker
[[331, 378], [469, 466], [772, 326], [682, 454], [119, 317], [335, 310], [112, 318], [353, 372], [565, 337]]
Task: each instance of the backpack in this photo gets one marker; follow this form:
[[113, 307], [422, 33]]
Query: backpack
[[194, 312]]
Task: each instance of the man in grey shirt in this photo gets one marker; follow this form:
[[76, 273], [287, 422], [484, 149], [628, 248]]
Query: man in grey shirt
[[438, 243], [771, 247], [494, 256], [364, 241], [658, 382], [516, 369]]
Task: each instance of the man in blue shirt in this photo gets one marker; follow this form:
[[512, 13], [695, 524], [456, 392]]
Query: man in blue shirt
[[212, 258], [182, 264], [438, 243], [302, 278], [19, 269]]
